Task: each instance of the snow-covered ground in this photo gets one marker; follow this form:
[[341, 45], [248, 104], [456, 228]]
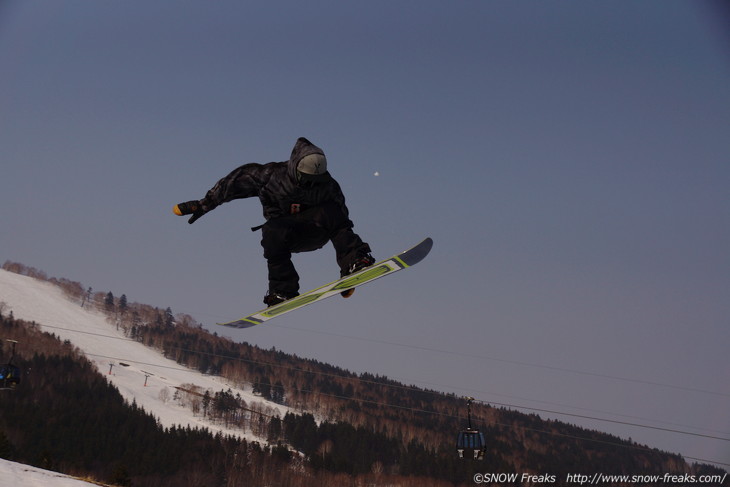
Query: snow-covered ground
[[18, 475], [46, 304]]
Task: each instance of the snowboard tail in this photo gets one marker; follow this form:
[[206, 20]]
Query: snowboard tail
[[380, 269]]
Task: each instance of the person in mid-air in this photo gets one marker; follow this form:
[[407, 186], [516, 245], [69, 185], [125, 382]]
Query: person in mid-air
[[304, 209]]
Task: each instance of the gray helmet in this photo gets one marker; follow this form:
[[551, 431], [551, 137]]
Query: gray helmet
[[313, 167]]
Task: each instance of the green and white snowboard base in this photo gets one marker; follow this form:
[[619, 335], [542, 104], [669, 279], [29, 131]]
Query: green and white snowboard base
[[385, 267]]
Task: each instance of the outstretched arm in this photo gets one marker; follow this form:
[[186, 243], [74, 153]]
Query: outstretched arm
[[243, 182]]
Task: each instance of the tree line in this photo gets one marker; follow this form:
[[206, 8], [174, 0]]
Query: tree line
[[345, 427]]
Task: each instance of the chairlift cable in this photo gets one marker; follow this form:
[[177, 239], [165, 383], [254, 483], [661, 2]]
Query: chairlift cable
[[380, 384], [412, 409]]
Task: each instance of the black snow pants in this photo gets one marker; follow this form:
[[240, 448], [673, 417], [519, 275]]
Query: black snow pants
[[306, 231]]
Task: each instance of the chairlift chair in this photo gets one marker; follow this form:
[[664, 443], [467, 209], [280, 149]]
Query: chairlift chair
[[470, 443], [9, 373]]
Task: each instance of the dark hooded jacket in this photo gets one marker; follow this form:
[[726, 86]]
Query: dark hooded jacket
[[276, 185]]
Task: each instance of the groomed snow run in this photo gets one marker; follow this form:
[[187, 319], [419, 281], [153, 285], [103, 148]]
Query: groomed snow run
[[18, 475], [131, 362]]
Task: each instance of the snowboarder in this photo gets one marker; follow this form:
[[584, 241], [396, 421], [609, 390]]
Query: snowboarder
[[304, 209]]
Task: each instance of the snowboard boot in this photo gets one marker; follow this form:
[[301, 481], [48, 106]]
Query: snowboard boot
[[273, 298], [360, 263]]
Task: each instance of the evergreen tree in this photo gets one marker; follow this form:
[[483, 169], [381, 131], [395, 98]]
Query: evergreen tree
[[263, 386], [109, 301], [123, 303], [277, 393], [6, 449], [206, 403], [169, 318], [120, 476]]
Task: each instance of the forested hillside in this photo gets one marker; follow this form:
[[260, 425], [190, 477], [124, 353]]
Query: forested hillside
[[345, 428]]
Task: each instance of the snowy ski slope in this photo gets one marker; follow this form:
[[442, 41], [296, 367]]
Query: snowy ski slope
[[35, 300], [18, 475]]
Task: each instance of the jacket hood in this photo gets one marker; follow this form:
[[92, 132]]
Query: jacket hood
[[302, 148]]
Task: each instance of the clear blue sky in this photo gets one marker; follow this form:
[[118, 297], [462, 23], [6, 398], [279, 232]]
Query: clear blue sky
[[571, 161]]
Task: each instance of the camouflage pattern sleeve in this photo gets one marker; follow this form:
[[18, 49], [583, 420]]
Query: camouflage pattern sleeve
[[243, 182]]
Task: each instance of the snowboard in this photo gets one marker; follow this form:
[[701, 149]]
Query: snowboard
[[398, 262]]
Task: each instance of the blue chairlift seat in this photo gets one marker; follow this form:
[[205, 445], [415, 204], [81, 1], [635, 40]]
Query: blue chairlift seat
[[9, 376], [470, 444]]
